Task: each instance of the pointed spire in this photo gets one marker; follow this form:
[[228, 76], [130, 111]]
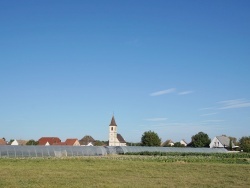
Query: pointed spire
[[113, 123]]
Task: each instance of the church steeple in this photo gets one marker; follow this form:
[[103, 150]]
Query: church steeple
[[113, 123]]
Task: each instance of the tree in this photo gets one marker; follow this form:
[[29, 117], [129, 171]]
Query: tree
[[201, 139], [245, 143], [178, 144], [32, 142], [11, 140], [150, 138]]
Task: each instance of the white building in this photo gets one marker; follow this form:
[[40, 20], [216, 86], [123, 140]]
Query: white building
[[183, 142], [221, 142], [19, 142], [115, 139]]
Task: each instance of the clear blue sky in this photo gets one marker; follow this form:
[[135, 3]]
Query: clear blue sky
[[173, 67]]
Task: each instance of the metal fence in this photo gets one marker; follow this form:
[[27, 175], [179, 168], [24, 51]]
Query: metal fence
[[63, 151]]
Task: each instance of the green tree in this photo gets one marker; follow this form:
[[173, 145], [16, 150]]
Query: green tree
[[245, 143], [11, 140], [32, 142], [150, 138], [178, 144], [201, 139]]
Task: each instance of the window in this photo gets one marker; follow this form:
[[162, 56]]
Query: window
[[111, 128]]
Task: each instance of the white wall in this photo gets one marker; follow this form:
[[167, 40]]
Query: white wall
[[215, 143], [14, 143]]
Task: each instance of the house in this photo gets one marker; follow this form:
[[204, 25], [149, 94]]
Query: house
[[72, 142], [19, 142], [115, 139], [183, 142], [3, 142], [87, 141], [46, 141], [221, 142], [167, 143]]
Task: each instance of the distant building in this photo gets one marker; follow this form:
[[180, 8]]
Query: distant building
[[183, 142], [115, 139], [221, 142], [19, 142], [68, 142], [3, 142], [47, 141], [72, 142], [167, 143], [87, 141]]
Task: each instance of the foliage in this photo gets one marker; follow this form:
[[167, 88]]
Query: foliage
[[245, 143], [201, 139], [32, 142], [230, 144], [150, 138], [216, 155], [11, 140], [178, 144], [133, 144], [234, 140], [99, 143]]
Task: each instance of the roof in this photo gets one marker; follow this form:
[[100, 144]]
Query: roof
[[50, 140], [184, 141], [120, 138], [113, 123], [3, 142], [59, 144], [167, 142], [224, 140], [21, 142], [71, 141], [86, 140]]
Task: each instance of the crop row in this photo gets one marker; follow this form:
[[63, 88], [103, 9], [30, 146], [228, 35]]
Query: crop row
[[219, 155]]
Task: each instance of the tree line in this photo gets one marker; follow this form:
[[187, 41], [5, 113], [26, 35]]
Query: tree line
[[201, 139]]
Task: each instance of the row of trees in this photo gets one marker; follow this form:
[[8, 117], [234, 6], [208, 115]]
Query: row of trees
[[201, 139]]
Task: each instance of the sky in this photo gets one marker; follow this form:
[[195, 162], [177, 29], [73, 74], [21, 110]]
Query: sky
[[172, 67]]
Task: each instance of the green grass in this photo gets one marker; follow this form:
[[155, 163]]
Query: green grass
[[120, 171]]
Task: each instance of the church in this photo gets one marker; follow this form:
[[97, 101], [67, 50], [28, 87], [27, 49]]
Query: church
[[115, 139]]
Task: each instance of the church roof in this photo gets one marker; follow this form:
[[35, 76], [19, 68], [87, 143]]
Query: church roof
[[120, 138], [113, 123]]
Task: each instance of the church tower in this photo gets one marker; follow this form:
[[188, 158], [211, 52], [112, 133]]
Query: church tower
[[113, 132]]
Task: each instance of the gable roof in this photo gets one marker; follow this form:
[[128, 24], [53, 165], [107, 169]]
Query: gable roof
[[167, 142], [224, 140], [71, 141], [113, 123], [86, 140], [184, 141], [50, 140], [120, 138], [21, 142], [3, 142]]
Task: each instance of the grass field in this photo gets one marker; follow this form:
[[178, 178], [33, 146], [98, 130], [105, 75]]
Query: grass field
[[120, 171]]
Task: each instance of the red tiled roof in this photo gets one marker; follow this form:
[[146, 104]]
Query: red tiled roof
[[50, 140], [71, 141], [2, 142], [59, 144]]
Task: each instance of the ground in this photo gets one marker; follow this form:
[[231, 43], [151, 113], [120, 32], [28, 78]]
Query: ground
[[120, 171]]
